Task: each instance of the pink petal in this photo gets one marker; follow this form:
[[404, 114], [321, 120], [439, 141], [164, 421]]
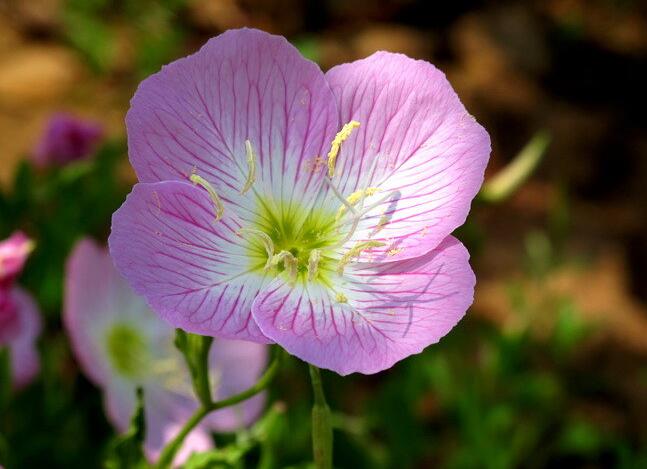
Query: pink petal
[[25, 361], [13, 255], [193, 270], [238, 366], [432, 153], [196, 113], [92, 290], [166, 414], [393, 310]]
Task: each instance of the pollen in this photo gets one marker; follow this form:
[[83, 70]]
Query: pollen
[[355, 251], [251, 166], [200, 181], [341, 136]]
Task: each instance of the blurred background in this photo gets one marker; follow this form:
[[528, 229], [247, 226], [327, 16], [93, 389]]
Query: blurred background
[[548, 369]]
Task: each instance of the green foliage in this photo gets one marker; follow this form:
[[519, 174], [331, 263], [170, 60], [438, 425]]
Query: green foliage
[[154, 32]]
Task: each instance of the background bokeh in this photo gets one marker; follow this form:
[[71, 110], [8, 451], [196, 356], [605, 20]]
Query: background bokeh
[[549, 367]]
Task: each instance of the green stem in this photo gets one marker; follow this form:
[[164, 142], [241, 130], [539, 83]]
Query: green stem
[[321, 423], [169, 451]]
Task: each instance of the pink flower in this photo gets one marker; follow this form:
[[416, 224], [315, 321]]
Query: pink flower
[[120, 345], [20, 322], [280, 204], [13, 255], [67, 138]]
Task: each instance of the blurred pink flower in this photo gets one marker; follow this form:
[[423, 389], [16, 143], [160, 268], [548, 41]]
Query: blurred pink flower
[[121, 345], [13, 254], [67, 138], [20, 322]]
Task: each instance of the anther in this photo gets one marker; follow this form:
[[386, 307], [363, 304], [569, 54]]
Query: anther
[[354, 198], [341, 298], [355, 251], [251, 165], [342, 135], [200, 181], [289, 262], [313, 263]]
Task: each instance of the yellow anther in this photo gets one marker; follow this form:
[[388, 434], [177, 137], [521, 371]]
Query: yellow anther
[[251, 165], [341, 298], [394, 251], [354, 198], [200, 181], [313, 263], [335, 146], [289, 262], [355, 251], [267, 243]]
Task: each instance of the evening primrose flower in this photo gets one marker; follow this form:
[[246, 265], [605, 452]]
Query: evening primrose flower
[[280, 204], [121, 345], [66, 139], [20, 323]]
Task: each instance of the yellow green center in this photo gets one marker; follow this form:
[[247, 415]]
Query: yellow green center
[[127, 350], [298, 231]]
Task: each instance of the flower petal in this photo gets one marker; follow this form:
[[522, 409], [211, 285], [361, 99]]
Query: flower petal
[[25, 361], [393, 310], [194, 271], [238, 366], [166, 414], [197, 112], [432, 153]]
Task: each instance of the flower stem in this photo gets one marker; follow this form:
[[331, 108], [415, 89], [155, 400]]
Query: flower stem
[[321, 423], [169, 451]]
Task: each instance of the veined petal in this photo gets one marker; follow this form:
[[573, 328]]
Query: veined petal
[[380, 313], [195, 272], [25, 361], [432, 153], [197, 113]]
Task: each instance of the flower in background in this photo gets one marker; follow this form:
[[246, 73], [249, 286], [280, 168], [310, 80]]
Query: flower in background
[[279, 204], [20, 322], [67, 138], [121, 345]]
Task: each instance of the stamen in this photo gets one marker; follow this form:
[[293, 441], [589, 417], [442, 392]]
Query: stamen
[[340, 298], [266, 240], [200, 181], [340, 197], [354, 198], [289, 262], [313, 263], [251, 164], [342, 135], [355, 251]]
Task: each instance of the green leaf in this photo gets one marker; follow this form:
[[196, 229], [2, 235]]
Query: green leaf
[[126, 450], [233, 455]]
